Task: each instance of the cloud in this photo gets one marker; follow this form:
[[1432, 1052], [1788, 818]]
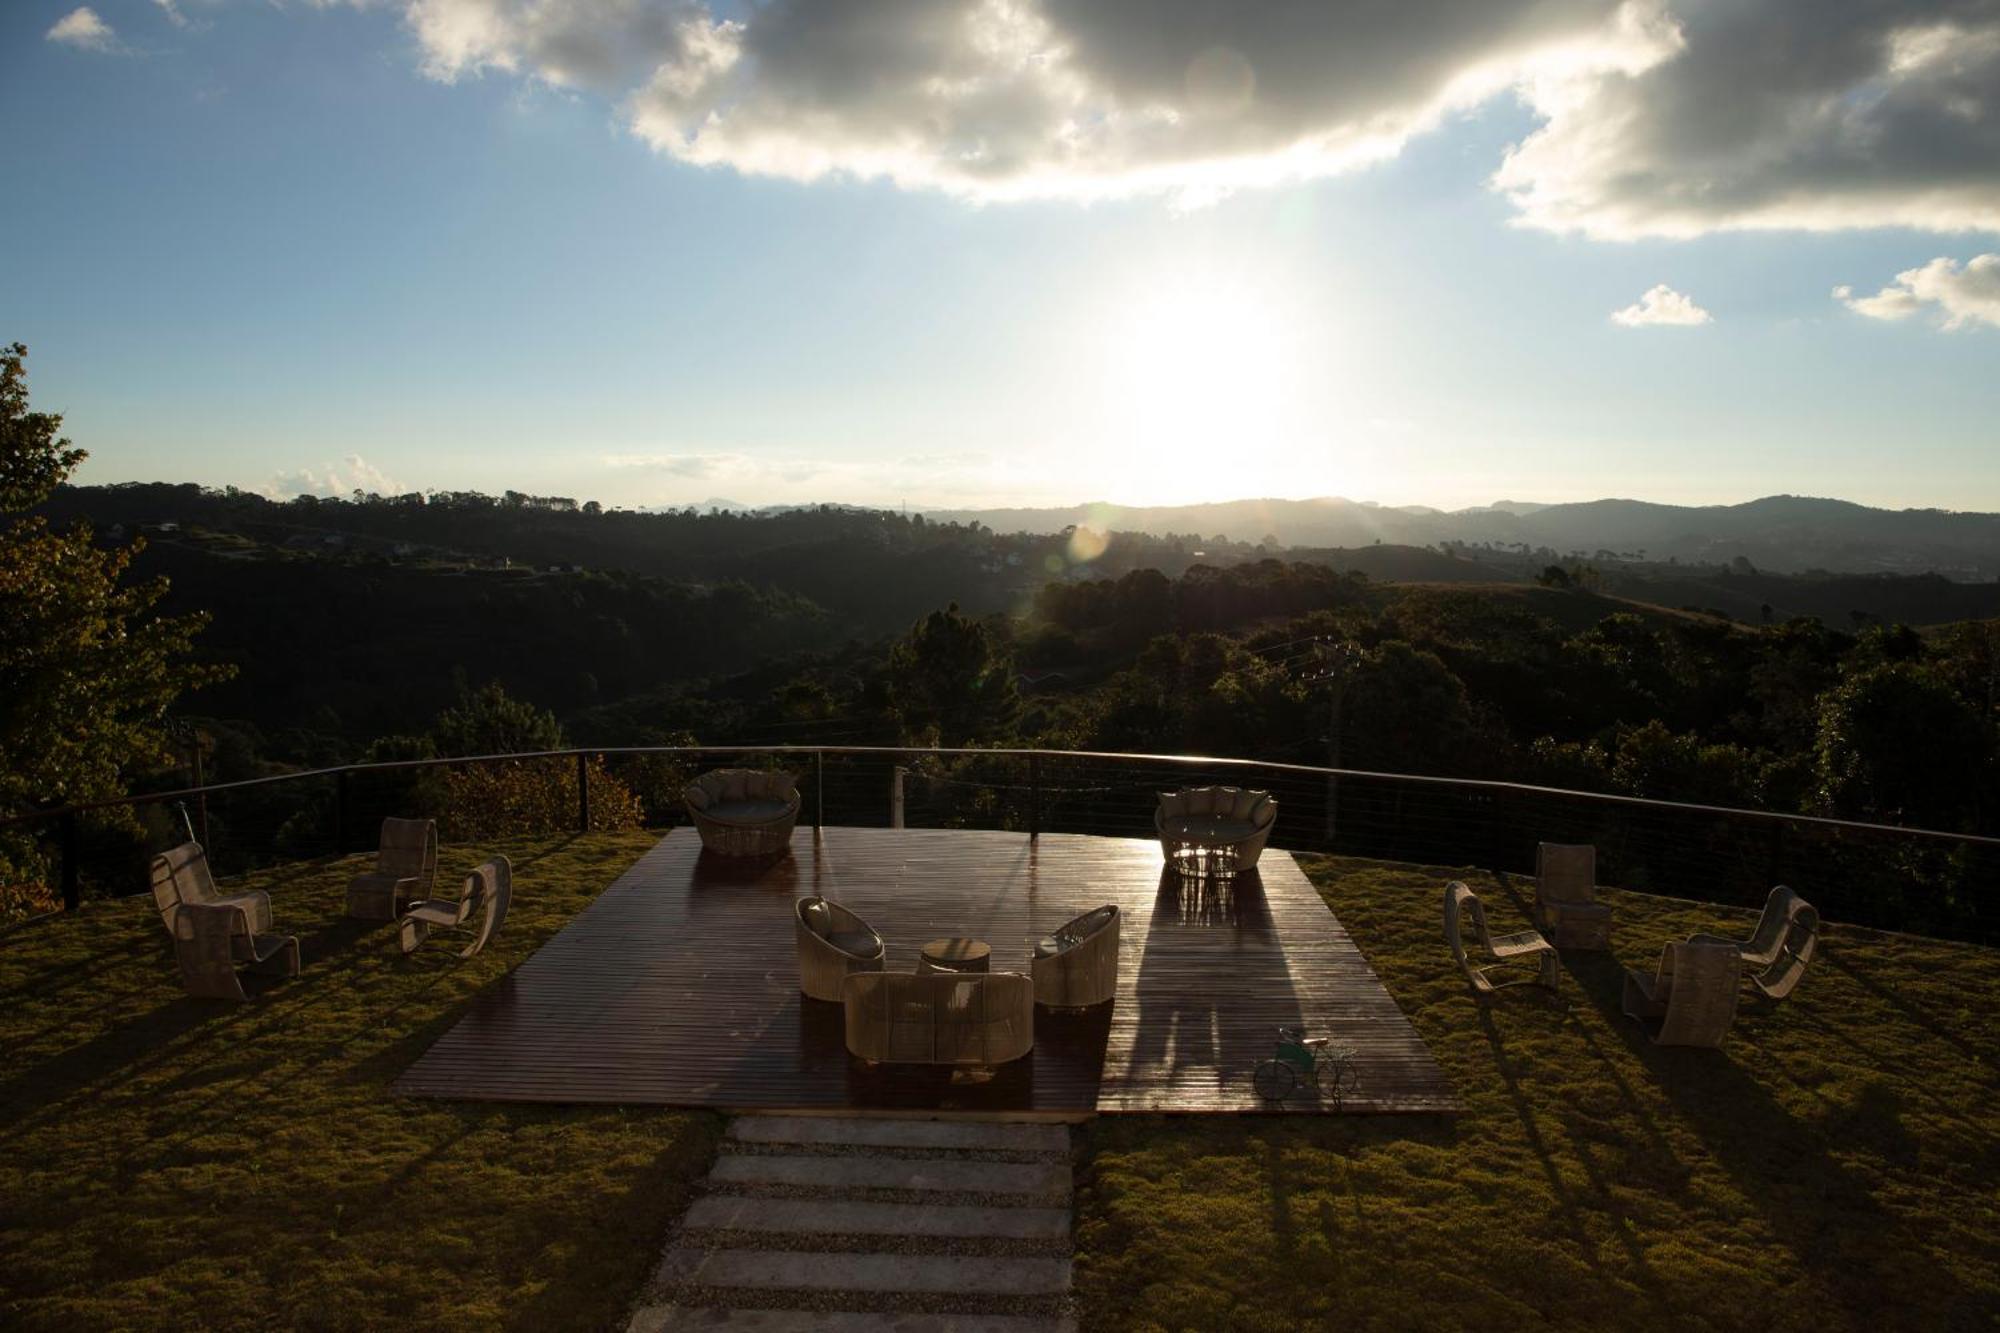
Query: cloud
[[82, 29], [1655, 117], [1008, 99], [350, 474], [1662, 307], [1809, 114], [1962, 295], [946, 479], [172, 12]]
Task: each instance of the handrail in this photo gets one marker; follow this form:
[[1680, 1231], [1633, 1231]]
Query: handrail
[[1183, 760]]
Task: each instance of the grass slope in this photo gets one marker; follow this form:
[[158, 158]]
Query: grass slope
[[1833, 1167], [167, 1162]]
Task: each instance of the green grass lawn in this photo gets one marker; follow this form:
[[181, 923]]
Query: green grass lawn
[[177, 1163], [167, 1162], [1835, 1166]]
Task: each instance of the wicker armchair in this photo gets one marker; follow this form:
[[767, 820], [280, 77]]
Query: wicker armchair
[[180, 878], [744, 811], [942, 1018], [405, 868], [1776, 954], [1566, 909], [1691, 1000], [1461, 905], [1216, 817], [485, 894], [212, 940], [1078, 965], [833, 942]]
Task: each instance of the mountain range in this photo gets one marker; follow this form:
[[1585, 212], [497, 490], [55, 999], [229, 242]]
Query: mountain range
[[1779, 533]]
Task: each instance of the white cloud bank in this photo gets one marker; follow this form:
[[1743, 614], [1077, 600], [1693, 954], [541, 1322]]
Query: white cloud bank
[[352, 473], [84, 30], [1962, 295], [1661, 307], [1658, 117]]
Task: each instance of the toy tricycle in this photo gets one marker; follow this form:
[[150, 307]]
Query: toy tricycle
[[1308, 1060]]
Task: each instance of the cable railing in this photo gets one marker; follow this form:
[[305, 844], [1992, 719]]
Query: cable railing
[[1887, 876]]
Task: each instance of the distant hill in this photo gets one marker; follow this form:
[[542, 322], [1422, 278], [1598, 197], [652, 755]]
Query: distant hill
[[1780, 533]]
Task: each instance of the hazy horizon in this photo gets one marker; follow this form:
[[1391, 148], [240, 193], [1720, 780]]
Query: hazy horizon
[[980, 255]]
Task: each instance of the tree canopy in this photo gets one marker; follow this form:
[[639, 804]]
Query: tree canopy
[[87, 672]]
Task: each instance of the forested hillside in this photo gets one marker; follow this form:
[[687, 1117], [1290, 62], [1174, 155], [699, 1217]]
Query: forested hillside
[[350, 621]]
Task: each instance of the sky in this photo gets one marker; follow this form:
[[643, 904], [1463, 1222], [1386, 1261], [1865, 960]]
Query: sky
[[969, 253]]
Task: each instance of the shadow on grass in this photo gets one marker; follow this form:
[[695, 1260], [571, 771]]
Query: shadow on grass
[[1831, 956], [1822, 1211]]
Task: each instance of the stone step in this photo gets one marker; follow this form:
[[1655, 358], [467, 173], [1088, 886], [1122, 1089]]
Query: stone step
[[945, 1175], [662, 1318], [930, 1274], [937, 1135], [849, 1217]]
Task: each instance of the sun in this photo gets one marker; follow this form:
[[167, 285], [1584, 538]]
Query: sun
[[1201, 392]]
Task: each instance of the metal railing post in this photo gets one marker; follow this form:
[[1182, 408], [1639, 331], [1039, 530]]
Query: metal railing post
[[1034, 796], [583, 793], [72, 893], [340, 813], [896, 796], [819, 789]]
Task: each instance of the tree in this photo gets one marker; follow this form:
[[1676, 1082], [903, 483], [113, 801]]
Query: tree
[[949, 683], [87, 672], [1898, 744], [488, 720]]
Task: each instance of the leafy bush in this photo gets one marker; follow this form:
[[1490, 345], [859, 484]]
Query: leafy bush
[[528, 797]]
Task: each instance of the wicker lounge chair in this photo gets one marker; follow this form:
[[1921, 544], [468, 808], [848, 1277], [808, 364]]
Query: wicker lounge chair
[[180, 878], [1078, 965], [1776, 954], [485, 894], [1691, 1000], [744, 811], [1216, 817], [1566, 909], [981, 1019], [405, 869], [833, 942], [1506, 952], [213, 940]]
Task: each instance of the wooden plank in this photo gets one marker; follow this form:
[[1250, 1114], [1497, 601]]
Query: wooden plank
[[679, 986]]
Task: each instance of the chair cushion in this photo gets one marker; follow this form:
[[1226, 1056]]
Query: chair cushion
[[735, 785], [1173, 803], [1211, 828], [1048, 946], [857, 942], [818, 918], [749, 810]]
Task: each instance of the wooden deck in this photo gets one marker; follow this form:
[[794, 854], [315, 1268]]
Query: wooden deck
[[678, 986]]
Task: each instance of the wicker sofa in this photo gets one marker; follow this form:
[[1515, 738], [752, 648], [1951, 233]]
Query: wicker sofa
[[744, 811], [1078, 965], [1216, 817], [833, 943], [940, 1018]]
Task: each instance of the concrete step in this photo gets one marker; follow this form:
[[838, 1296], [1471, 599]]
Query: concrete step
[[944, 1175], [662, 1318], [849, 1217], [930, 1274], [937, 1135]]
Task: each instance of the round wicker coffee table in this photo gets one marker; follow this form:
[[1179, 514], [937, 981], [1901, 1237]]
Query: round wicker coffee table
[[955, 955]]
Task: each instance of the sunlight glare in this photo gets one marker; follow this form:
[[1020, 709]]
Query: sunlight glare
[[1203, 393]]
